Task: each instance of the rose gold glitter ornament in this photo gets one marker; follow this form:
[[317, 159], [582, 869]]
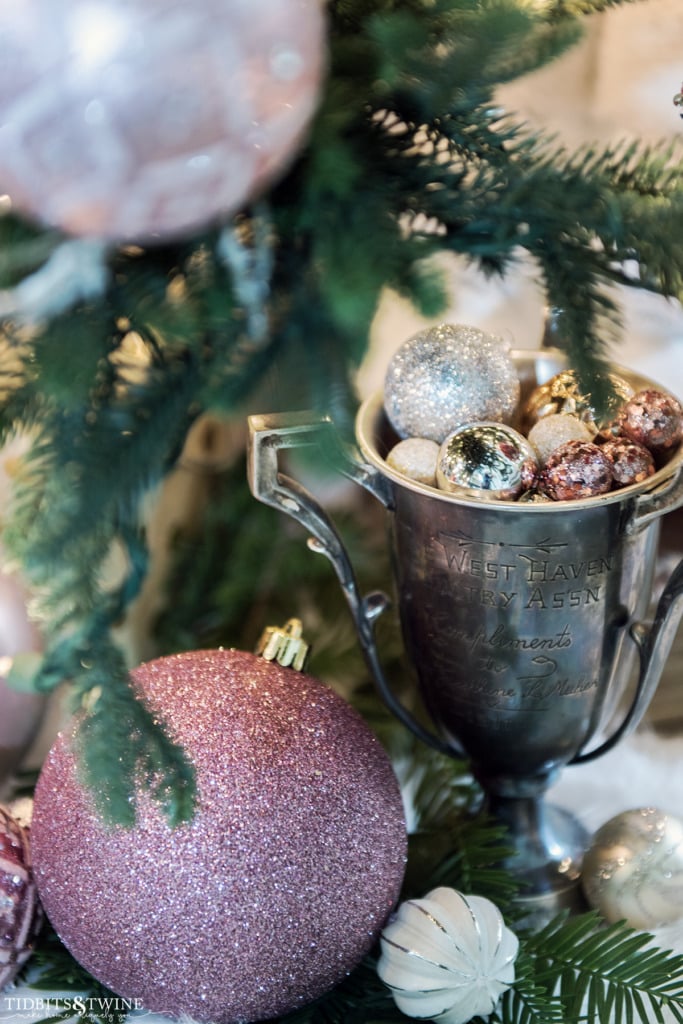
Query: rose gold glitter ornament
[[631, 462], [653, 419], [20, 913], [562, 395], [132, 119], [577, 469], [281, 882]]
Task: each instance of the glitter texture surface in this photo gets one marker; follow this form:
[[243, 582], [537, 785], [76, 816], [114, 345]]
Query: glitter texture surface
[[448, 375], [415, 457], [553, 430], [279, 885], [653, 419], [577, 469]]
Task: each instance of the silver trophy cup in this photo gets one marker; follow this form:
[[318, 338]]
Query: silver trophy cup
[[522, 621]]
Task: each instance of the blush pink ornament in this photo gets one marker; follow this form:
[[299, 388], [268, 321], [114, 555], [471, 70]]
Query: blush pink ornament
[[281, 882], [141, 119], [20, 713]]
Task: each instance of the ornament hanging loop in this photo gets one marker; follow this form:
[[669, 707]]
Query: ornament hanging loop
[[285, 645]]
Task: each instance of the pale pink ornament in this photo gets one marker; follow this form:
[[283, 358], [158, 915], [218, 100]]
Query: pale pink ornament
[[20, 912], [143, 119], [20, 713]]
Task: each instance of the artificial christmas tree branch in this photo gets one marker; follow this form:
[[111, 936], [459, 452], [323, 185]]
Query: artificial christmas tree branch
[[407, 134]]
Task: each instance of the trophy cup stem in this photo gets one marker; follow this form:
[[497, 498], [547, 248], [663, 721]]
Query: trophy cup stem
[[549, 844]]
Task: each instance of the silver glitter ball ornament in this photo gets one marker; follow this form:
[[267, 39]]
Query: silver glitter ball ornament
[[486, 460], [447, 375], [633, 870]]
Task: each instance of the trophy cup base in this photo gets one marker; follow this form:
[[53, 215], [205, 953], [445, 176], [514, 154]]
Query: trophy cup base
[[549, 844]]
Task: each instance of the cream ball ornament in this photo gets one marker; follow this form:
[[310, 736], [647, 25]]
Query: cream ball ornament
[[415, 457], [633, 869], [142, 119], [448, 956]]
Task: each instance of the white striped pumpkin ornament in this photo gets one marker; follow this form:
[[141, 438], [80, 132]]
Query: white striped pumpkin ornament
[[447, 957]]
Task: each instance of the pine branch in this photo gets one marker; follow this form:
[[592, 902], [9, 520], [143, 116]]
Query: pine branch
[[600, 971]]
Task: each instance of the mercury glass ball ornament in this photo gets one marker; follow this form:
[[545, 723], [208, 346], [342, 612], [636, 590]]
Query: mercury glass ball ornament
[[488, 461], [277, 887], [633, 869], [140, 119], [562, 395], [448, 957], [448, 375]]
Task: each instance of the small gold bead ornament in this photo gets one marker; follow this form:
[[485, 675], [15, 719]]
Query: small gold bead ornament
[[284, 644]]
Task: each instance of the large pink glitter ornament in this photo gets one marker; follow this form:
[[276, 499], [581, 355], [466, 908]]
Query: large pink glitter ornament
[[132, 119], [20, 913], [279, 885]]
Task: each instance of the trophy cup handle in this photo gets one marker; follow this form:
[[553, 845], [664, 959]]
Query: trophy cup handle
[[267, 436], [654, 643]]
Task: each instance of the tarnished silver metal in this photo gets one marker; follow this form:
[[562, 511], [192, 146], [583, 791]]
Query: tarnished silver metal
[[521, 620]]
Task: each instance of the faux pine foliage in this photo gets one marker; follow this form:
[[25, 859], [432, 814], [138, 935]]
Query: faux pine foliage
[[408, 157]]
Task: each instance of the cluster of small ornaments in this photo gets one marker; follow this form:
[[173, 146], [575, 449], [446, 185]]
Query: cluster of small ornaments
[[20, 912], [452, 393]]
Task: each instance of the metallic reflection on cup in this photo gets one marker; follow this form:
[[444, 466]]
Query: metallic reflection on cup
[[522, 621]]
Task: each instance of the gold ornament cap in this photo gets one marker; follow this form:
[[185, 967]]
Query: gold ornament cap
[[284, 644]]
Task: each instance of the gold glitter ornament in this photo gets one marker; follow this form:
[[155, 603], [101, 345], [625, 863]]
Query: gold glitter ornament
[[447, 957], [633, 870], [561, 395]]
